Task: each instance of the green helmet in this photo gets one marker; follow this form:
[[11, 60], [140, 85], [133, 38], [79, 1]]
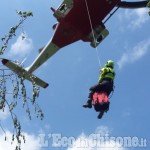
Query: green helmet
[[110, 63]]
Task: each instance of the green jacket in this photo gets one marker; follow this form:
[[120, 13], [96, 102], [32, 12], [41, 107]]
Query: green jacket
[[106, 73]]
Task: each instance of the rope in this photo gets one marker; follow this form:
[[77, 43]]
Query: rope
[[99, 61]]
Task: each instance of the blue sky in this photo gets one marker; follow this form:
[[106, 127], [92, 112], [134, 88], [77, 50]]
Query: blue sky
[[74, 69]]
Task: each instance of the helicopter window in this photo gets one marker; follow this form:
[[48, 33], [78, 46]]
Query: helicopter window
[[100, 38], [63, 8]]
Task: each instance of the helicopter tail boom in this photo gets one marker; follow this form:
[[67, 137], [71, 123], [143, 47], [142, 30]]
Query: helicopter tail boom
[[20, 71]]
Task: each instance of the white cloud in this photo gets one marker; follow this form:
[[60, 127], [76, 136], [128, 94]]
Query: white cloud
[[32, 142], [102, 130], [136, 18], [135, 53], [21, 47], [85, 142]]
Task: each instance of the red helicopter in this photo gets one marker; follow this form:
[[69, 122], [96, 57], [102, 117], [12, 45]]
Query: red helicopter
[[77, 20]]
